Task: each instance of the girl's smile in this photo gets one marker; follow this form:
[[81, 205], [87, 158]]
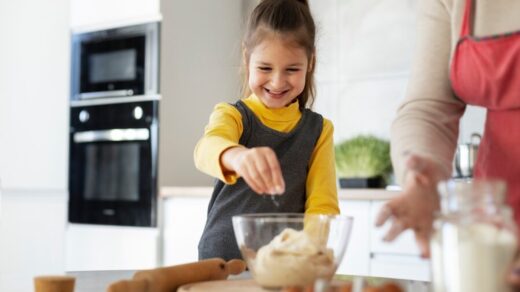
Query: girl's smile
[[277, 71]]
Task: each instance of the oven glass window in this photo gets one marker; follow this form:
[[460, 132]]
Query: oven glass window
[[113, 66], [112, 172]]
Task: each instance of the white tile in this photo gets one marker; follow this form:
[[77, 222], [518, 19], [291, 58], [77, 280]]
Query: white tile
[[376, 37], [368, 107]]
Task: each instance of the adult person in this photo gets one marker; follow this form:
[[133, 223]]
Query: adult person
[[468, 52]]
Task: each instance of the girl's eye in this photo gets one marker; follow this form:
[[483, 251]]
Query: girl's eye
[[265, 69], [293, 69]]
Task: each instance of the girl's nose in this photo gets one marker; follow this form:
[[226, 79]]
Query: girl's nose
[[278, 80]]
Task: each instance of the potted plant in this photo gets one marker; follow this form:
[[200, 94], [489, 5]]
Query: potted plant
[[363, 162]]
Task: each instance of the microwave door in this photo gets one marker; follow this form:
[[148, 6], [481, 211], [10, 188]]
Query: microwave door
[[112, 68]]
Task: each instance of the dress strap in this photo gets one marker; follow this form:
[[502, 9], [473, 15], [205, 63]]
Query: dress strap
[[466, 20]]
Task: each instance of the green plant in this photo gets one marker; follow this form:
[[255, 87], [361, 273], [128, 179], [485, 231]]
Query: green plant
[[362, 157]]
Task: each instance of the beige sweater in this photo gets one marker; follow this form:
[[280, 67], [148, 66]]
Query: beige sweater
[[427, 121]]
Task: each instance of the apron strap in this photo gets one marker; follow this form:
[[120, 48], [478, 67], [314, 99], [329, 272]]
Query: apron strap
[[466, 20]]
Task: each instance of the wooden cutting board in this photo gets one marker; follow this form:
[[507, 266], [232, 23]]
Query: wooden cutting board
[[223, 286], [248, 285]]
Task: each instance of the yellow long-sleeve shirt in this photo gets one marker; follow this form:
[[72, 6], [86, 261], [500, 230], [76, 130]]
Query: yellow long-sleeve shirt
[[225, 128]]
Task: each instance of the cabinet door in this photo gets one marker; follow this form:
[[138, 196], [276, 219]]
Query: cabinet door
[[356, 259], [183, 221], [397, 259], [34, 80], [106, 247], [93, 13], [404, 244]]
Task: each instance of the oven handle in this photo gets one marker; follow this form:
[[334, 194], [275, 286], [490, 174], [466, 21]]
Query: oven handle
[[109, 93], [112, 135]]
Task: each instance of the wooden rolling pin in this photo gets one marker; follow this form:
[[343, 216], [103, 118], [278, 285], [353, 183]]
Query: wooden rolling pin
[[168, 279]]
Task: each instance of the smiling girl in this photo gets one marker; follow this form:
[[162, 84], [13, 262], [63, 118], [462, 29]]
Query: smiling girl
[[270, 142]]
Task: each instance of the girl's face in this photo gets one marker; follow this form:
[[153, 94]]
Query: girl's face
[[277, 72]]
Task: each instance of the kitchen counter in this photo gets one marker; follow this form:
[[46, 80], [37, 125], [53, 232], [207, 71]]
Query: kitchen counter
[[98, 281], [343, 194]]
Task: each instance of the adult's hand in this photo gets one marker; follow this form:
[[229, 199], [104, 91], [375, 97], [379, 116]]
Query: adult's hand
[[258, 166], [414, 207], [513, 278]]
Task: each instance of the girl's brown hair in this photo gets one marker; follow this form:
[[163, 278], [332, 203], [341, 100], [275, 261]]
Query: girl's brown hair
[[292, 20]]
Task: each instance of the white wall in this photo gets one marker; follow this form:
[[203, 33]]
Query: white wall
[[200, 58], [365, 49]]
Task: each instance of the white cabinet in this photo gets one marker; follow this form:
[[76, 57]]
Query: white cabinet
[[183, 222], [98, 14], [104, 247], [367, 254], [398, 259], [356, 260], [34, 86], [32, 232]]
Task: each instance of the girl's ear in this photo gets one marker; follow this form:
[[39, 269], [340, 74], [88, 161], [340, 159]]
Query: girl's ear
[[312, 62], [245, 62]]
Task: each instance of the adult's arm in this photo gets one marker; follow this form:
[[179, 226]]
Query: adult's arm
[[427, 121]]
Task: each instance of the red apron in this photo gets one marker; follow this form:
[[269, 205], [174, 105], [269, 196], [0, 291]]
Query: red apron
[[485, 72]]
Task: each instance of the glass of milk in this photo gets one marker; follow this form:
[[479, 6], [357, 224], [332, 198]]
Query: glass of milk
[[474, 238]]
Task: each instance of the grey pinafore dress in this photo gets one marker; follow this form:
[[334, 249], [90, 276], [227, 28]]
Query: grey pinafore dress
[[293, 149]]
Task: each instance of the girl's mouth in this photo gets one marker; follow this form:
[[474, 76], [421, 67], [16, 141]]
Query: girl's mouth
[[276, 94]]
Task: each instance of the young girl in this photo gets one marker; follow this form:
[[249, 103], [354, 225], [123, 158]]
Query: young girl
[[269, 143]]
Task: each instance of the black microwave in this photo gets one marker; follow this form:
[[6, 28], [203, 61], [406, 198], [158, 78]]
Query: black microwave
[[117, 62]]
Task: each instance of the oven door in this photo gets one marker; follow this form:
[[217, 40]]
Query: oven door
[[111, 178]]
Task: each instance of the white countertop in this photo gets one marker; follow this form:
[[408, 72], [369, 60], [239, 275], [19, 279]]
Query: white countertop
[[343, 194]]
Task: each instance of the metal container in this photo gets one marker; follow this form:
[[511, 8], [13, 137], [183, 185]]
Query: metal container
[[466, 156]]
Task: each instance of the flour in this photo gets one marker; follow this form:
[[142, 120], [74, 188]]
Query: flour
[[472, 258]]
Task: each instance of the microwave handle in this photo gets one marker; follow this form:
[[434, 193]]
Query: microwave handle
[[112, 135]]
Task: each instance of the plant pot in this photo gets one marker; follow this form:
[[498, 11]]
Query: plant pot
[[374, 182]]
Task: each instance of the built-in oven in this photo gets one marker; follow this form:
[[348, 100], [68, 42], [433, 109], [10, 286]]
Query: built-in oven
[[113, 164], [117, 62]]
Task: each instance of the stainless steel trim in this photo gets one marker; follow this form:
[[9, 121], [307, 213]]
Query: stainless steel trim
[[151, 82], [114, 100], [109, 93], [112, 135]]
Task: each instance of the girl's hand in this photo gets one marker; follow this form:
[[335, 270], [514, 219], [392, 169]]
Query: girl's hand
[[258, 166], [415, 206]]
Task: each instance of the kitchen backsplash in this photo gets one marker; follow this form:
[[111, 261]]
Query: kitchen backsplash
[[365, 48]]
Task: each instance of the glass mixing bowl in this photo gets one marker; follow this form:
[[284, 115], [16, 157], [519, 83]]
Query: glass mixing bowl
[[285, 249]]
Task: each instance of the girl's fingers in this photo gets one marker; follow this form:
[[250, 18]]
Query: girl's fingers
[[278, 185], [258, 167], [250, 176]]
